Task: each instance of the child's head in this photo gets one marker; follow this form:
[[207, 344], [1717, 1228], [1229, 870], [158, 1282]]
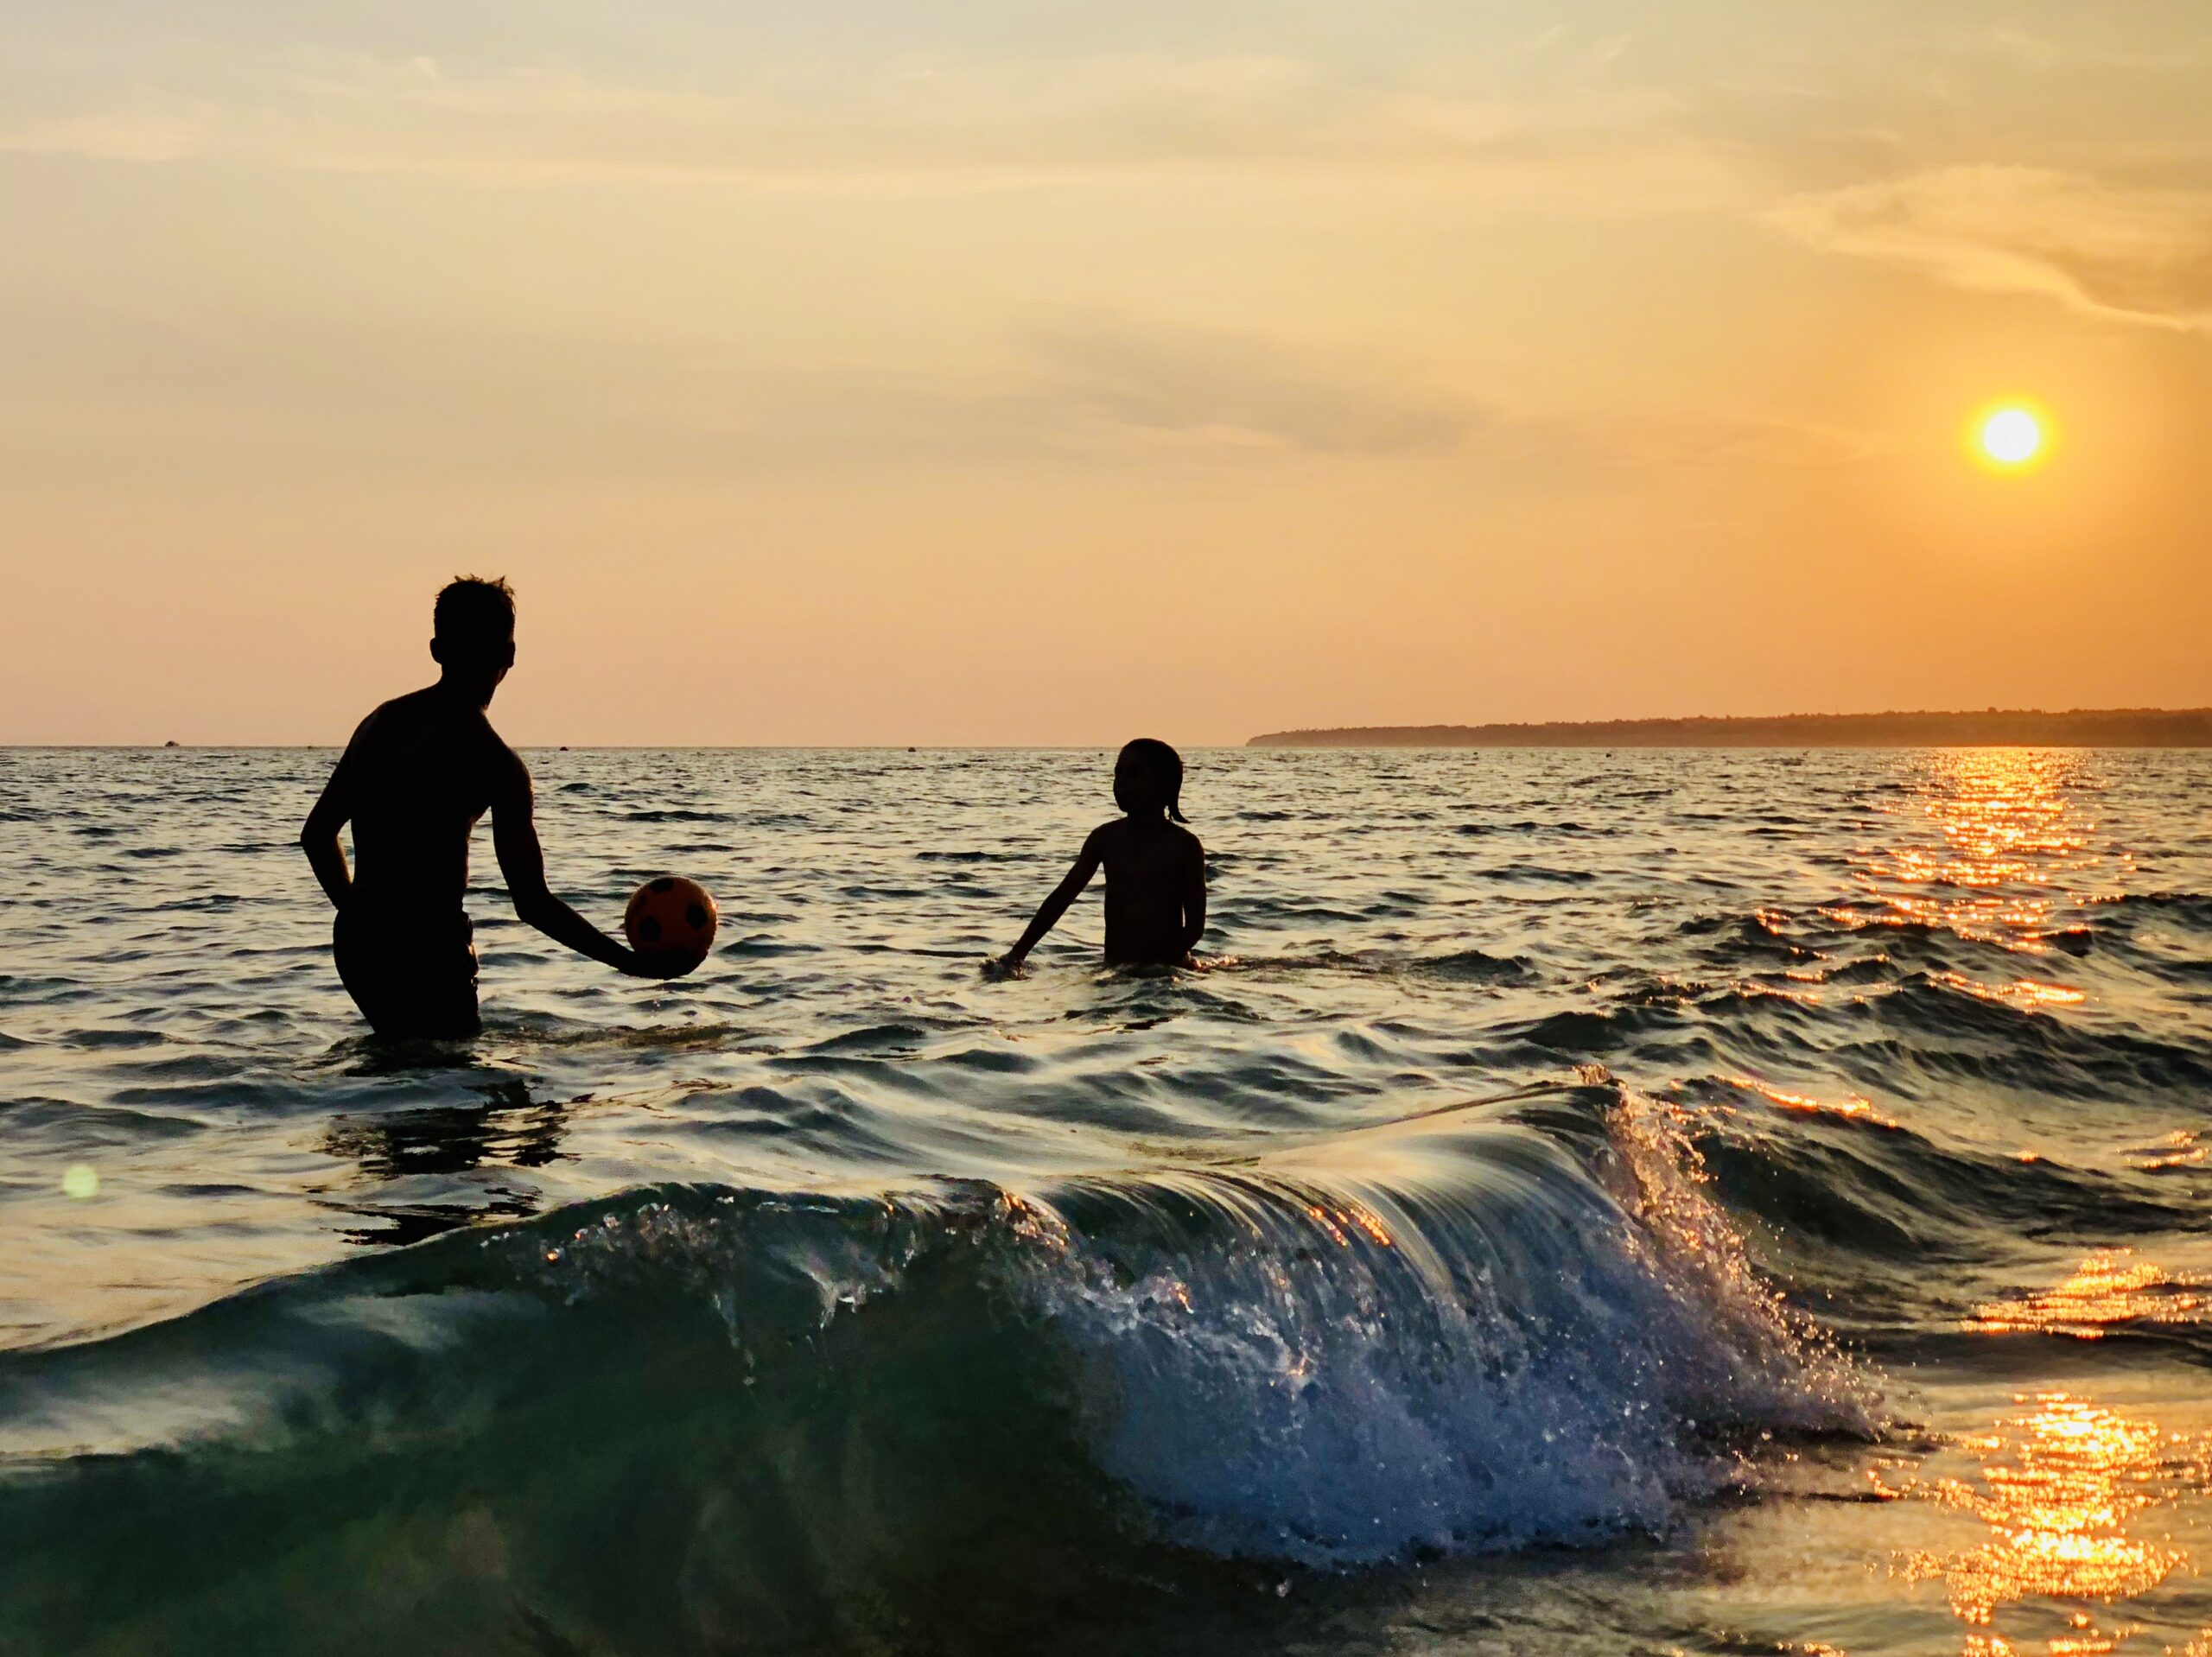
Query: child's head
[[1148, 777]]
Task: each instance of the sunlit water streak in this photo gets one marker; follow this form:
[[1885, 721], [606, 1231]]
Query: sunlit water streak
[[1828, 1271]]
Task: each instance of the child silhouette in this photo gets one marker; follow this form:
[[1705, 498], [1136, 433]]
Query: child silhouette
[[1156, 868]]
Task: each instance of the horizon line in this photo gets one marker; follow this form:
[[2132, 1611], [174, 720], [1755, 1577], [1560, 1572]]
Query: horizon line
[[1267, 738]]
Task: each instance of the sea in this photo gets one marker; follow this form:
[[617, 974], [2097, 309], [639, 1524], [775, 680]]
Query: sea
[[1656, 1202]]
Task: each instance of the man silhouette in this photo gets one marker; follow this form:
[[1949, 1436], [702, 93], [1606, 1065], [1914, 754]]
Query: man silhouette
[[418, 773]]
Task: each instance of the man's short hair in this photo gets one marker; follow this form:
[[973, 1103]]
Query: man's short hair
[[476, 613]]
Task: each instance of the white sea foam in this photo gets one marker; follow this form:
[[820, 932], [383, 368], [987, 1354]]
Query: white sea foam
[[1461, 1338]]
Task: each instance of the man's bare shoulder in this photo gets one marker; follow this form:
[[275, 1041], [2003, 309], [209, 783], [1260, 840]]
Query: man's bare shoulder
[[428, 722], [385, 722], [508, 764], [502, 765], [408, 712]]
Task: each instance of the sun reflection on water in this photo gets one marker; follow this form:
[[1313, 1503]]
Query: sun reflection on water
[[1852, 1106], [2182, 1148], [2010, 845], [2114, 1285], [2060, 1488], [2022, 992]]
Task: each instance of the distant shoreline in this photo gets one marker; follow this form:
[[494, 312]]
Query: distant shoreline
[[2113, 727]]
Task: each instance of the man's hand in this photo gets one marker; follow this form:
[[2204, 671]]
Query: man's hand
[[514, 835], [661, 963]]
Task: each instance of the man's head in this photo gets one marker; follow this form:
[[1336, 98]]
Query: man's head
[[473, 638]]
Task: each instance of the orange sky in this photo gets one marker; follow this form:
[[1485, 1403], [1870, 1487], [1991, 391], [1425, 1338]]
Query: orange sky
[[990, 373]]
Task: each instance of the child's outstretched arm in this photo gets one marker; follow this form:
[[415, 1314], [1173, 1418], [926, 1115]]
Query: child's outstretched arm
[[1194, 896], [1049, 911]]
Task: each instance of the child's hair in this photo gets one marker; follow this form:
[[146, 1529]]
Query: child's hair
[[1166, 765]]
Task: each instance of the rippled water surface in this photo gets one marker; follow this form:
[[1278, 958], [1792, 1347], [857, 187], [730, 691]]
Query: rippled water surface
[[1746, 1201]]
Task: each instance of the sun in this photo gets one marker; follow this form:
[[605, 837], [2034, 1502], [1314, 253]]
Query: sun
[[2011, 436]]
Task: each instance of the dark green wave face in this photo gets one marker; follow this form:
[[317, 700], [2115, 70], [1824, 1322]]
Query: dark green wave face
[[689, 1415], [1657, 1201]]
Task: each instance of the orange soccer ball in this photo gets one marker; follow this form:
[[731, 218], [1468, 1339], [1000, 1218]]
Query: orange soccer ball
[[672, 916]]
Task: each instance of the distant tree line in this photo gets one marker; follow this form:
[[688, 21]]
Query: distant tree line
[[2110, 727]]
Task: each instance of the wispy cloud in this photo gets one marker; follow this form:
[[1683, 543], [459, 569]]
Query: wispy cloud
[[1220, 389], [2039, 51], [926, 125], [166, 132], [2131, 255]]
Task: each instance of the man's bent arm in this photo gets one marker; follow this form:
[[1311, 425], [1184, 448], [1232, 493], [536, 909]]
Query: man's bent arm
[[319, 835], [521, 860]]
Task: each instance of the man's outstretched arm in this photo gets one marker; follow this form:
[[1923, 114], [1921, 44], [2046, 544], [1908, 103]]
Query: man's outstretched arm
[[521, 860], [319, 835]]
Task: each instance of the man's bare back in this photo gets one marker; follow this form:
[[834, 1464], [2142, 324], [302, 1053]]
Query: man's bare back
[[420, 771]]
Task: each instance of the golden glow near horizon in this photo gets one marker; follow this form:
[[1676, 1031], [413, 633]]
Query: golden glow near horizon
[[977, 373], [2012, 436]]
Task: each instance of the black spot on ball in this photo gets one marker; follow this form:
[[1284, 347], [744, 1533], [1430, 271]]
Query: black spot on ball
[[697, 916], [649, 930], [664, 883]]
